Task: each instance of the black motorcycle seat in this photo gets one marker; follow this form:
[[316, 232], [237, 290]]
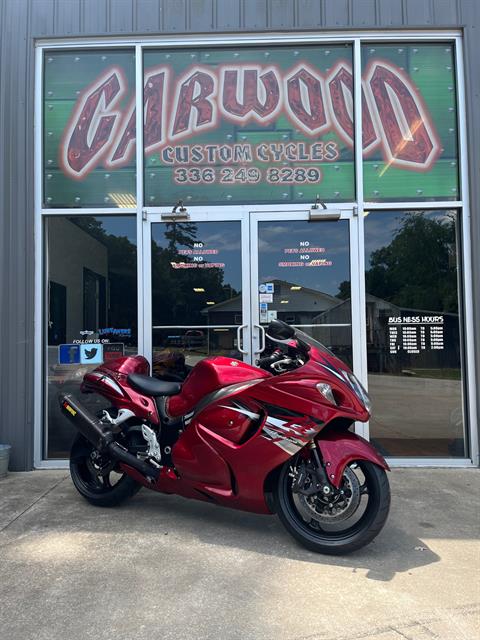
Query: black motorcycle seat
[[152, 386]]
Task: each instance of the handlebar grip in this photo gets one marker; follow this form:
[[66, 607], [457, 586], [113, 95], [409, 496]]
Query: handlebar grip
[[261, 362], [268, 360]]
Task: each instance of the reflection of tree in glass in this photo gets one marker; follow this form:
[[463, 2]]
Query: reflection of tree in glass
[[417, 270], [173, 298], [122, 272], [344, 290], [180, 233]]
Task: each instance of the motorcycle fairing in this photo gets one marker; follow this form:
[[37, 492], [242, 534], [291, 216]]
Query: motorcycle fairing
[[241, 423], [297, 390], [241, 433], [110, 380], [212, 460], [209, 465]]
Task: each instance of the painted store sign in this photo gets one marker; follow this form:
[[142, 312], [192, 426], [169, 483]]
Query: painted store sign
[[284, 126]]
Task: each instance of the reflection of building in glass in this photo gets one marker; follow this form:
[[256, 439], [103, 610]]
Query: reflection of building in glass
[[297, 306], [91, 274], [78, 281]]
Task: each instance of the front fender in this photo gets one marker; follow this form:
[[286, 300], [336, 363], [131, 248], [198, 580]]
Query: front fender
[[340, 448]]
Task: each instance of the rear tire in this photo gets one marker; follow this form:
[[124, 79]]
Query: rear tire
[[97, 478], [349, 534]]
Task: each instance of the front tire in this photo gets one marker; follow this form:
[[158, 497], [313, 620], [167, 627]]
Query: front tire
[[97, 478], [311, 522]]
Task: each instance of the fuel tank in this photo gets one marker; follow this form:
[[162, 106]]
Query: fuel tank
[[208, 376]]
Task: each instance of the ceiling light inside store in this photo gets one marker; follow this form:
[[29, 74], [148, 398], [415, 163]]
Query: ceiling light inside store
[[199, 289], [123, 200], [284, 301], [295, 288], [210, 302], [219, 330]]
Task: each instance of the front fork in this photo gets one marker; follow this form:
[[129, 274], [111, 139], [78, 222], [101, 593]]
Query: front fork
[[317, 471]]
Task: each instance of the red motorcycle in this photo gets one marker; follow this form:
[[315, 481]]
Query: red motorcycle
[[266, 439]]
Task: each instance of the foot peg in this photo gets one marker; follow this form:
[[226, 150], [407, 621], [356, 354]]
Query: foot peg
[[153, 446]]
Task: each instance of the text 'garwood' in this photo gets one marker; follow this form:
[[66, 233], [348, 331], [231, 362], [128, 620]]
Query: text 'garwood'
[[394, 116]]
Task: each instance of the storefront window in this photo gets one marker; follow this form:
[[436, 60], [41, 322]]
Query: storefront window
[[90, 308], [259, 125], [89, 132], [256, 125], [413, 332], [410, 122]]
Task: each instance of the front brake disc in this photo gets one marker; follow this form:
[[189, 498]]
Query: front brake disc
[[342, 505]]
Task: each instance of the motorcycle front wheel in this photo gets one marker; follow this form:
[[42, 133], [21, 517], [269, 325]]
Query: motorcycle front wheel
[[97, 478], [341, 522]]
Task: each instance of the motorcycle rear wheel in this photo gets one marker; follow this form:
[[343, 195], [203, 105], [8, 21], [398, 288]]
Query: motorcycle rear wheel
[[97, 478], [358, 528]]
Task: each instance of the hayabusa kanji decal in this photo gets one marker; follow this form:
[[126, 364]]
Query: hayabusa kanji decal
[[290, 435]]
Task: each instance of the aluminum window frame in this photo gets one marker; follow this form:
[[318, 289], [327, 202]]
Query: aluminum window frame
[[356, 38]]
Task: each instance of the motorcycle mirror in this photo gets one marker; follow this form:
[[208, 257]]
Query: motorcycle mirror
[[279, 330]]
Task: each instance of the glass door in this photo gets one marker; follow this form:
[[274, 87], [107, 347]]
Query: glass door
[[196, 290], [212, 284], [302, 273]]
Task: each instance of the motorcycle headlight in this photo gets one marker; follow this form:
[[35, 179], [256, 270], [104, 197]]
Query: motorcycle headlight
[[362, 395], [326, 391]]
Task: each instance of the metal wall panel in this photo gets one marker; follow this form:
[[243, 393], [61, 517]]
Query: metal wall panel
[[121, 16], [444, 12], [309, 14], [255, 15], [418, 12], [364, 12], [470, 16], [389, 14], [175, 16], [336, 14], [201, 15], [42, 17], [147, 16], [22, 21], [16, 233], [94, 16], [228, 15], [67, 18], [281, 14]]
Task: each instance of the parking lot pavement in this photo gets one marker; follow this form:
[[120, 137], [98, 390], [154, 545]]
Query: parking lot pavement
[[161, 567]]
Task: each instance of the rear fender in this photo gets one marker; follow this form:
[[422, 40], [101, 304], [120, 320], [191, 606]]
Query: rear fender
[[340, 448]]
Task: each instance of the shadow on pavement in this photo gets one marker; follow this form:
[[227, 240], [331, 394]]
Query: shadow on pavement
[[397, 549]]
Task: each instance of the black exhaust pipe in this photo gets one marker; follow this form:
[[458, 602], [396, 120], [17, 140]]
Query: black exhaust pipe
[[100, 435]]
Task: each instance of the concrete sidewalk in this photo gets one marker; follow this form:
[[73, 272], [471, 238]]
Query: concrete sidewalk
[[162, 567]]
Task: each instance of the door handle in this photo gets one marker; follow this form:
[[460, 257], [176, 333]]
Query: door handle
[[261, 331], [239, 338]]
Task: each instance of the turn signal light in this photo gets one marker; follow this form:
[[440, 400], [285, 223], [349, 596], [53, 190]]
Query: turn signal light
[[326, 391]]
